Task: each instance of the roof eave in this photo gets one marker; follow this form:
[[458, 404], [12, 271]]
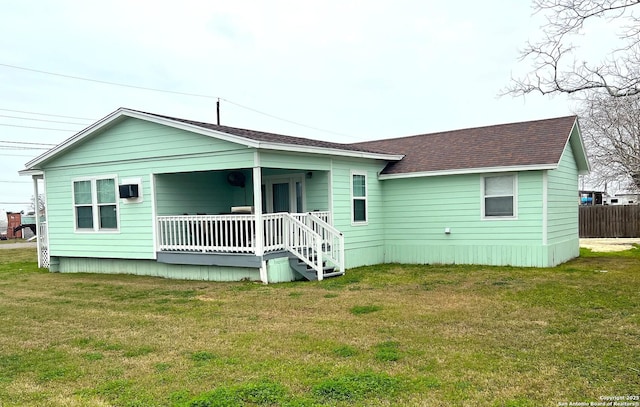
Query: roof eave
[[329, 151], [30, 172], [463, 171]]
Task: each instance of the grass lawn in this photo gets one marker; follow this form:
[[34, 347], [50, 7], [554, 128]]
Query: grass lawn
[[379, 336]]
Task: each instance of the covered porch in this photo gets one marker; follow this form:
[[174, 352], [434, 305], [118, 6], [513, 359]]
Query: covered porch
[[225, 218]]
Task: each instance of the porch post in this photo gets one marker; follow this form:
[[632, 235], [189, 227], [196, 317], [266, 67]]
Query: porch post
[[257, 211], [36, 206]]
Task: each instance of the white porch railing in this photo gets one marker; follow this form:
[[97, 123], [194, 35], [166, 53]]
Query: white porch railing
[[207, 233], [332, 239], [309, 236]]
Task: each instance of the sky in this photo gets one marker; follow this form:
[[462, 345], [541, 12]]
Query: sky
[[342, 71]]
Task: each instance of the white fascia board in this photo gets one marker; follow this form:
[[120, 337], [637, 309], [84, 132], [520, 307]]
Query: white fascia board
[[469, 171], [32, 173], [329, 151], [580, 144]]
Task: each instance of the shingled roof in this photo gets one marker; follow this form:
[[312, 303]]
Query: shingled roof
[[517, 145], [526, 145], [272, 137]]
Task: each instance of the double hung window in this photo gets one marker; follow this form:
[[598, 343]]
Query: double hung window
[[359, 197], [499, 196], [95, 204]]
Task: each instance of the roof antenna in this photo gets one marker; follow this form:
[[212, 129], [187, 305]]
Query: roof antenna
[[218, 111]]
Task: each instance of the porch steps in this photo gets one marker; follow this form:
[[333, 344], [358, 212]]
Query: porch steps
[[309, 273]]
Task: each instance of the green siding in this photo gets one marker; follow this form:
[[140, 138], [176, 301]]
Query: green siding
[[562, 203], [364, 244], [296, 161], [417, 211], [134, 140], [317, 191]]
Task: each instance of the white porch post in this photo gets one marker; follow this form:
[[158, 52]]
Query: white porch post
[[36, 205], [257, 211]]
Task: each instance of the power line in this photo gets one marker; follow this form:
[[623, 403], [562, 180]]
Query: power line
[[124, 85], [22, 148], [46, 114], [40, 120], [285, 120], [14, 182], [109, 83], [37, 128], [26, 142]]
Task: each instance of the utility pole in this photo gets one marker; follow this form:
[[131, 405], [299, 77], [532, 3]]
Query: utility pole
[[218, 111]]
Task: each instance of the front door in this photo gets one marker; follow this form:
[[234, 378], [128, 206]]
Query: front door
[[283, 194]]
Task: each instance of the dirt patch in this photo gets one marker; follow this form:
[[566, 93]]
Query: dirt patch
[[609, 244]]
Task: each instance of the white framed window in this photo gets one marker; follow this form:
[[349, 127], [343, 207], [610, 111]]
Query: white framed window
[[499, 196], [359, 214], [95, 204]]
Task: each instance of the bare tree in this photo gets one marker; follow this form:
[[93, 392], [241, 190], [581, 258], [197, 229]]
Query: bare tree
[[556, 67], [41, 205], [611, 130]]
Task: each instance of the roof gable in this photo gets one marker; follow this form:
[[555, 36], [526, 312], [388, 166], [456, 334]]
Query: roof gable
[[527, 145], [248, 138]]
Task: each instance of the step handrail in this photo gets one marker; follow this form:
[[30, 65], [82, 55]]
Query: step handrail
[[330, 236], [304, 243]]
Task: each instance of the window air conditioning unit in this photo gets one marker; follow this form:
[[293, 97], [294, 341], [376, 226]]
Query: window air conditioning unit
[[129, 191]]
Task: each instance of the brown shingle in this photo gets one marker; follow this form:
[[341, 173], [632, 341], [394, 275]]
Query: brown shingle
[[271, 137], [537, 142], [530, 143]]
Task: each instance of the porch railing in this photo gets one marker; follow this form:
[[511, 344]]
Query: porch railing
[[309, 236], [207, 233], [332, 239]]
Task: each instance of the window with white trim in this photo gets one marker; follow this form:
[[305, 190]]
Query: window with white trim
[[359, 197], [499, 196], [95, 204]]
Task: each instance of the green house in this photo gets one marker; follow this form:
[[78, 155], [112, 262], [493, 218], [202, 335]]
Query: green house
[[149, 194]]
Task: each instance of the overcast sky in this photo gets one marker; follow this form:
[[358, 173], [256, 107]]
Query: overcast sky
[[359, 70]]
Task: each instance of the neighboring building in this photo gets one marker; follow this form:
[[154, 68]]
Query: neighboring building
[[155, 195], [622, 199], [14, 219]]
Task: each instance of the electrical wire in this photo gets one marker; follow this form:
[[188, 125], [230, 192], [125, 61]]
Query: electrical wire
[[37, 128], [124, 85], [26, 142], [174, 93], [48, 114], [40, 120]]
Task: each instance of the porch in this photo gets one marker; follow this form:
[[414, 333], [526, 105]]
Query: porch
[[315, 248]]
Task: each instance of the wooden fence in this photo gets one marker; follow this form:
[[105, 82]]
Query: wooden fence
[[610, 221]]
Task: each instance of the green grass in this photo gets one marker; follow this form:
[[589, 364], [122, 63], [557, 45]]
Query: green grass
[[391, 334]]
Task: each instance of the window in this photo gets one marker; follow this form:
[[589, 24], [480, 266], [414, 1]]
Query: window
[[95, 204], [359, 197], [499, 196]]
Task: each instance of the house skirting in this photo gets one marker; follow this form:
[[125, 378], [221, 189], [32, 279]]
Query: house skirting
[[492, 255], [278, 269]]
